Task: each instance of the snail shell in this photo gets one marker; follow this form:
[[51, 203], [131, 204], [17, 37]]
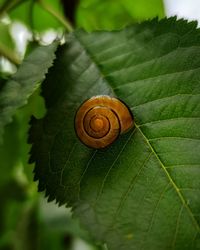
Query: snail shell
[[101, 119]]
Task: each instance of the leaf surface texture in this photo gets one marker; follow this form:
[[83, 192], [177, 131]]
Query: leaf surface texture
[[143, 191]]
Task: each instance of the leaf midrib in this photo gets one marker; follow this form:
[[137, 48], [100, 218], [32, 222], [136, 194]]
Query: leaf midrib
[[147, 141], [170, 179]]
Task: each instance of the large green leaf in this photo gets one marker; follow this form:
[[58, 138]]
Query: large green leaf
[[31, 72], [142, 192], [115, 14]]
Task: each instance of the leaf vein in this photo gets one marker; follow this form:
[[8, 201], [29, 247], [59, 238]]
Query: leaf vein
[[113, 164], [177, 227], [169, 119], [164, 98], [178, 49], [172, 182], [131, 186]]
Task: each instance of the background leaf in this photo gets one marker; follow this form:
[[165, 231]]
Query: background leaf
[[6, 39], [31, 72], [143, 191], [31, 14], [18, 194], [7, 45], [115, 14]]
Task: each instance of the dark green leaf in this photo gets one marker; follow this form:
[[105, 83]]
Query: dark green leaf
[[109, 14], [18, 219], [8, 149], [3, 81], [31, 72], [143, 191]]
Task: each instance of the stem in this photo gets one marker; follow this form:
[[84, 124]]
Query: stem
[[54, 13], [31, 19], [10, 55]]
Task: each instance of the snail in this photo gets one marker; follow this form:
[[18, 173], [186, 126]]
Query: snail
[[101, 119]]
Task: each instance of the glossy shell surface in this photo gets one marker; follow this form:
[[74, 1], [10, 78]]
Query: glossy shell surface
[[101, 119]]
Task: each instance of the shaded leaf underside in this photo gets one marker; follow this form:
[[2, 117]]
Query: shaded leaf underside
[[15, 92], [142, 192]]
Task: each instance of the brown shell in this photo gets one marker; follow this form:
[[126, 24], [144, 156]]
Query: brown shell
[[101, 119]]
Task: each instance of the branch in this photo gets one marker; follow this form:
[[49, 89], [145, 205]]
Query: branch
[[10, 55]]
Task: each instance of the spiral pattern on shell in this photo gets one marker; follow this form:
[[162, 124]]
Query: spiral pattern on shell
[[101, 119]]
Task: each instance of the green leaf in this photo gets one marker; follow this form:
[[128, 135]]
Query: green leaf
[[15, 142], [142, 9], [3, 81], [109, 15], [35, 17], [5, 37], [142, 192], [7, 44], [31, 72]]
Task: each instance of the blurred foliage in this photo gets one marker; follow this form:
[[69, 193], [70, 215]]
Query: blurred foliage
[[18, 192], [7, 46], [6, 39], [23, 83], [115, 14], [26, 220], [31, 13]]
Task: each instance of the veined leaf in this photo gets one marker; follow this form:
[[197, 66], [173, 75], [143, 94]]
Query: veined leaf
[[143, 191], [31, 72]]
